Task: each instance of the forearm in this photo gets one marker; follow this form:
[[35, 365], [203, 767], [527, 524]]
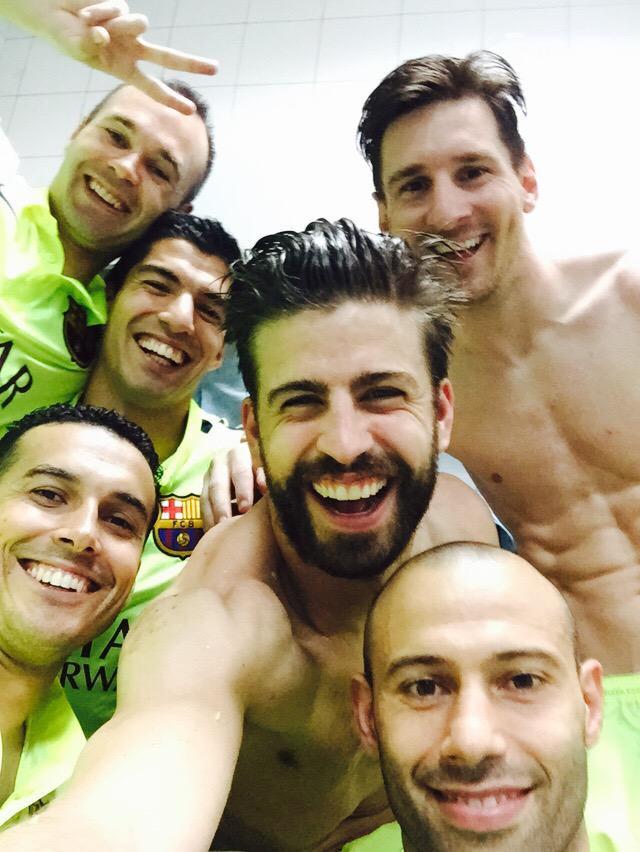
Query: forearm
[[32, 15], [146, 782]]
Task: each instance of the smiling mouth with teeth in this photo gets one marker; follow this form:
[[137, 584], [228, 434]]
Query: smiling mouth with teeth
[[350, 499], [47, 575], [105, 196], [453, 250], [161, 352]]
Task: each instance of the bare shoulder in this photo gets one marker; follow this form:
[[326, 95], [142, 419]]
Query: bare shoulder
[[602, 274], [456, 513], [240, 548], [194, 642]]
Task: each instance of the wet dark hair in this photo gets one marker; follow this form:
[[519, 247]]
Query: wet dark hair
[[329, 264], [91, 415], [433, 79], [207, 235], [202, 109]]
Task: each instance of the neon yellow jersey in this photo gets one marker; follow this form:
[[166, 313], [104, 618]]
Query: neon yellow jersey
[[387, 838], [89, 675], [53, 742], [49, 323], [613, 805]]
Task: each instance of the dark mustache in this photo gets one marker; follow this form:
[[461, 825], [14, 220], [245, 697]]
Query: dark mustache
[[365, 464], [462, 773]]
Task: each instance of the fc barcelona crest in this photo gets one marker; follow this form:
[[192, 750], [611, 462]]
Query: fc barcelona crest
[[178, 527]]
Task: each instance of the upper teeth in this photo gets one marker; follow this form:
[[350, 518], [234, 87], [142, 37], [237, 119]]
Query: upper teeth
[[478, 803], [355, 491], [104, 194], [159, 348], [57, 577], [448, 246]]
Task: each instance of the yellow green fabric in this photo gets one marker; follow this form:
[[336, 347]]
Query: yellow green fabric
[[53, 742], [49, 323], [89, 675], [613, 805], [387, 838]]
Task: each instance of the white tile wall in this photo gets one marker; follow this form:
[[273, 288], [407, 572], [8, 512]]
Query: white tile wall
[[294, 74]]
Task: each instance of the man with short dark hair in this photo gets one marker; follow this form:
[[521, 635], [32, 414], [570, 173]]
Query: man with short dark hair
[[165, 332], [77, 497], [475, 705], [236, 684], [543, 367], [129, 161]]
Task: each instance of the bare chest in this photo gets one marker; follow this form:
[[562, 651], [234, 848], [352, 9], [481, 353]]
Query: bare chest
[[302, 773], [551, 437]]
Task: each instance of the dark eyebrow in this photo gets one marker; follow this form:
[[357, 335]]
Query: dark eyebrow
[[418, 660], [61, 473], [416, 169], [166, 155], [134, 502], [302, 386], [48, 470], [520, 653], [406, 172], [159, 270], [364, 380]]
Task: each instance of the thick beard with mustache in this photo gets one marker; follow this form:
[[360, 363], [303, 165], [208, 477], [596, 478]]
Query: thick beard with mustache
[[357, 556]]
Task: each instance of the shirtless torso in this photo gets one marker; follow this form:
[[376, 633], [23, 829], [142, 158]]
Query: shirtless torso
[[240, 663], [301, 772], [551, 445]]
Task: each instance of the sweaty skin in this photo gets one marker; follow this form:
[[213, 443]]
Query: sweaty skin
[[543, 368], [250, 658], [233, 641]]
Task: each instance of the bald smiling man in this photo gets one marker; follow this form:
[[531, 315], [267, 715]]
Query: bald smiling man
[[475, 702]]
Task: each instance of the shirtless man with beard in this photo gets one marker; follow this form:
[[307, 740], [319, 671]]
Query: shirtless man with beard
[[237, 684]]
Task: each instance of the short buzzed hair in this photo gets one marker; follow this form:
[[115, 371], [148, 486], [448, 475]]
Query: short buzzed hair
[[202, 110], [438, 556]]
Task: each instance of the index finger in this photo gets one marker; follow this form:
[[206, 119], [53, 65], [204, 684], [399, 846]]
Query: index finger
[[176, 59], [160, 92]]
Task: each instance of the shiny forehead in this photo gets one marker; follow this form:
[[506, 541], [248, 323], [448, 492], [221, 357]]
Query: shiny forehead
[[458, 596]]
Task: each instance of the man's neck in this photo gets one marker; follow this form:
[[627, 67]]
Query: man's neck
[[80, 263], [508, 318], [22, 689], [330, 605], [165, 426]]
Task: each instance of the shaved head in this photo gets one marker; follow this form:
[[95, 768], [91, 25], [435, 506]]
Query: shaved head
[[470, 574], [476, 706]]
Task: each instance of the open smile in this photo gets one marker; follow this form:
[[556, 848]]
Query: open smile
[[491, 809], [355, 504], [105, 196], [161, 352], [57, 578], [457, 251]]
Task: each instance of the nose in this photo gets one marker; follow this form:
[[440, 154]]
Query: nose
[[345, 432], [473, 732], [79, 531], [178, 314], [450, 206], [127, 167]]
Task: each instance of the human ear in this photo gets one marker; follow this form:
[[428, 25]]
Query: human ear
[[362, 704]]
